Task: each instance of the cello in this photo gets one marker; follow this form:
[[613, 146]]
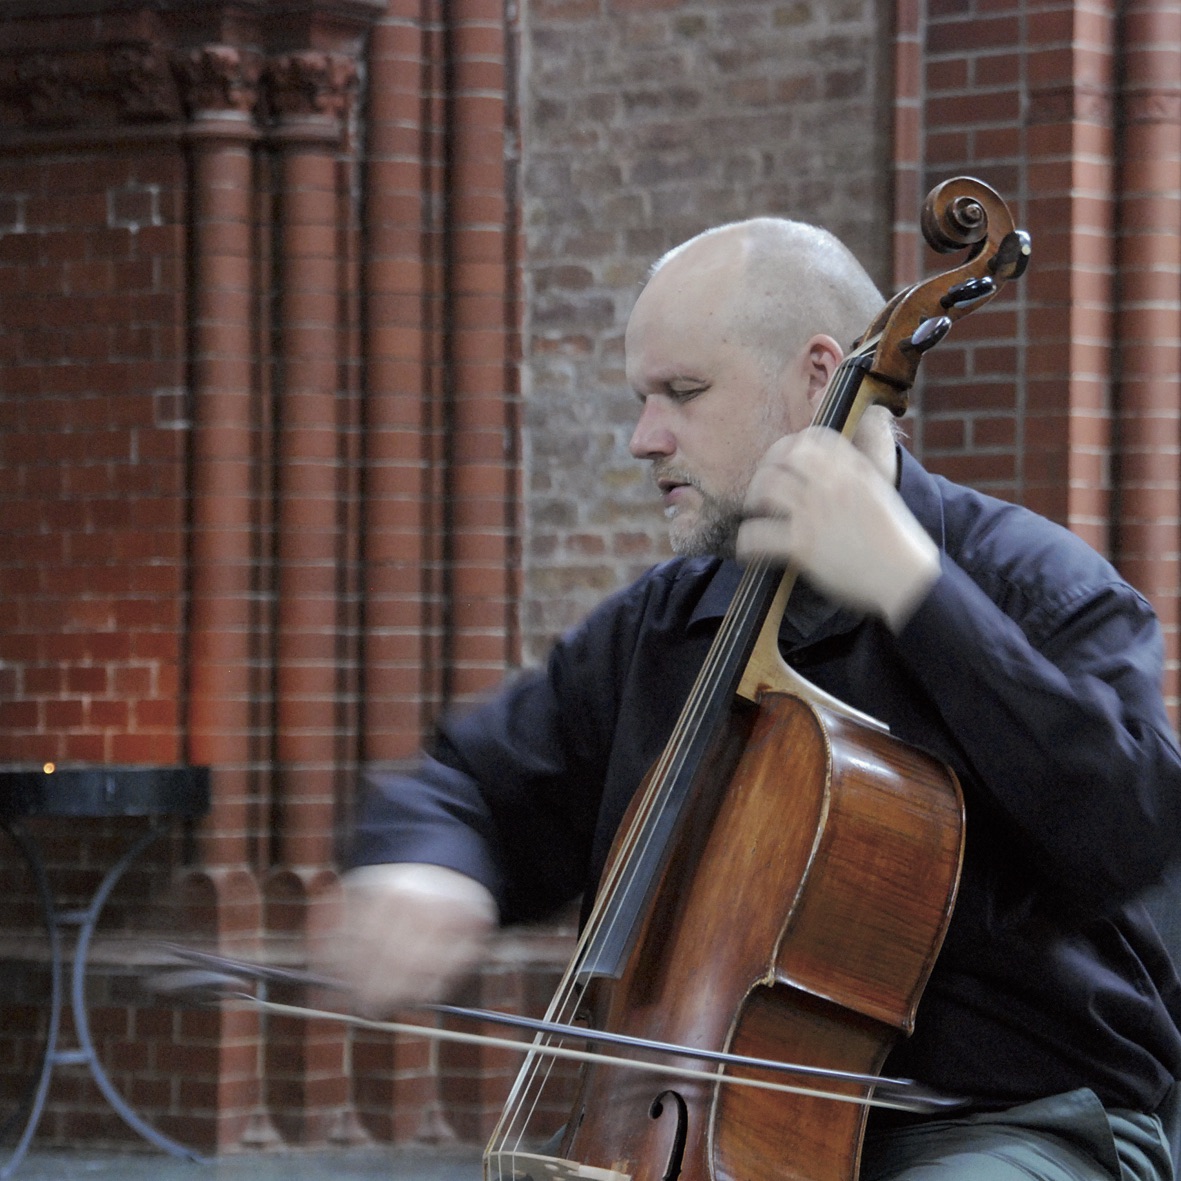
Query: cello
[[781, 884]]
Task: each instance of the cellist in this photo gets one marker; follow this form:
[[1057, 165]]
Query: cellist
[[975, 629]]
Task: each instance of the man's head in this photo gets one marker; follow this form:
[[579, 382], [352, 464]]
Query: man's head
[[730, 345]]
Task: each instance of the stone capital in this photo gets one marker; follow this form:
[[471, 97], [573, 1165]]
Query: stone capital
[[145, 68], [218, 79], [310, 85]]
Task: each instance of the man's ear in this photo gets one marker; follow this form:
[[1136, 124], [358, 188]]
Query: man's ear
[[821, 357]]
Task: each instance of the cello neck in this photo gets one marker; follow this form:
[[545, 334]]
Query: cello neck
[[759, 609]]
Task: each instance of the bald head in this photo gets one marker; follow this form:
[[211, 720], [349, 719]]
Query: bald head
[[777, 282]]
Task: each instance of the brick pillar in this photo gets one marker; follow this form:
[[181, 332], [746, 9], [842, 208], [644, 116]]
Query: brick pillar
[[440, 429], [308, 91], [308, 428], [224, 542], [1018, 396], [1065, 433], [484, 346], [907, 165], [404, 541], [1149, 320], [224, 894]]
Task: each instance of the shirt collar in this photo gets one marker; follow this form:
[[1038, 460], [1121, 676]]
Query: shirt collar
[[920, 490]]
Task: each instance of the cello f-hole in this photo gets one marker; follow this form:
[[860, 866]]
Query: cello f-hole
[[676, 1157]]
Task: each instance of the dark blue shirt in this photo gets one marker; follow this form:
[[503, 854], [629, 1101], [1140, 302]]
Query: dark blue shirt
[[1031, 668]]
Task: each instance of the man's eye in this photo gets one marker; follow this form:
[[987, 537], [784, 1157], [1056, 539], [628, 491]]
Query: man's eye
[[681, 391]]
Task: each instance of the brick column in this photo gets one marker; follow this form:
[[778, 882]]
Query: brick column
[[1019, 400], [224, 543], [484, 344], [403, 542], [309, 445], [308, 91], [1149, 321], [224, 895], [1065, 436], [907, 164], [440, 439]]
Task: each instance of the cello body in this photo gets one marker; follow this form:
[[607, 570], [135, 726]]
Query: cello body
[[821, 885]]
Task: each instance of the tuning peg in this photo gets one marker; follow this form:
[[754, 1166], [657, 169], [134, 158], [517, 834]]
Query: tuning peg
[[929, 333], [968, 291], [1012, 256]]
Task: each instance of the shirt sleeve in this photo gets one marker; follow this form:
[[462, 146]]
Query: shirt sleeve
[[508, 792], [1061, 720]]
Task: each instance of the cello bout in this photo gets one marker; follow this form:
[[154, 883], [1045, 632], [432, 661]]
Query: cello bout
[[805, 933]]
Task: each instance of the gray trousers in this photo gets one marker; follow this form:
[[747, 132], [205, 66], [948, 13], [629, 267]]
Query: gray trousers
[[1069, 1137]]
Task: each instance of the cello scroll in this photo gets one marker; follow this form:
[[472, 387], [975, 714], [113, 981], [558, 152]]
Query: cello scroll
[[957, 214]]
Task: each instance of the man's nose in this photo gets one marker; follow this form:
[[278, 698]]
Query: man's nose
[[652, 437]]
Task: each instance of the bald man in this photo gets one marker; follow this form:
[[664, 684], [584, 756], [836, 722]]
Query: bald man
[[976, 630]]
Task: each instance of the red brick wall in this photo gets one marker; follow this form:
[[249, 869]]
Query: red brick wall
[[1061, 394], [262, 432], [283, 479], [176, 343], [92, 442]]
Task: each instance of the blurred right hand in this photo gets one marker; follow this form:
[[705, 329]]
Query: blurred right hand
[[406, 933]]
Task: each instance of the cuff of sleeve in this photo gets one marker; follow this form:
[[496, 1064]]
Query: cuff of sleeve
[[405, 819]]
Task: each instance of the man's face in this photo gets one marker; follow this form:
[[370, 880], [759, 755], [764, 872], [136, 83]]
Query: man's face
[[710, 406]]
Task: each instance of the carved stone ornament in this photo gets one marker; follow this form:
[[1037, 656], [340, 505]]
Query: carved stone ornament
[[310, 83], [218, 78], [144, 84], [48, 91], [64, 70]]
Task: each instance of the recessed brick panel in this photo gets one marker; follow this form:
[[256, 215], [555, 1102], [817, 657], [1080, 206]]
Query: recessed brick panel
[[645, 124], [97, 486]]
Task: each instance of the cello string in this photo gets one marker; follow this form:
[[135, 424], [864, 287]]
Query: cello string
[[671, 762], [737, 624], [565, 999]]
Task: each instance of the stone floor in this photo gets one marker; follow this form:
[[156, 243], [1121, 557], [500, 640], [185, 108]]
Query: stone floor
[[367, 1164]]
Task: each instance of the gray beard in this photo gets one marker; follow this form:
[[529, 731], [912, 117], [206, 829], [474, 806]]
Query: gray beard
[[714, 535]]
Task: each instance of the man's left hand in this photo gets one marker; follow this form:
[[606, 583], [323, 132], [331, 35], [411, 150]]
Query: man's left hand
[[819, 504]]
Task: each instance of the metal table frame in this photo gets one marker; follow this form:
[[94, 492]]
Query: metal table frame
[[161, 793]]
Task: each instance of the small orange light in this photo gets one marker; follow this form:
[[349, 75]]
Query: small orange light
[[49, 768]]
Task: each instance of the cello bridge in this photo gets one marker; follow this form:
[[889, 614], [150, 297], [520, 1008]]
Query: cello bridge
[[502, 1165]]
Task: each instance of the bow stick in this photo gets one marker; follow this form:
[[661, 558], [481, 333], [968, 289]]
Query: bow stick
[[224, 976]]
